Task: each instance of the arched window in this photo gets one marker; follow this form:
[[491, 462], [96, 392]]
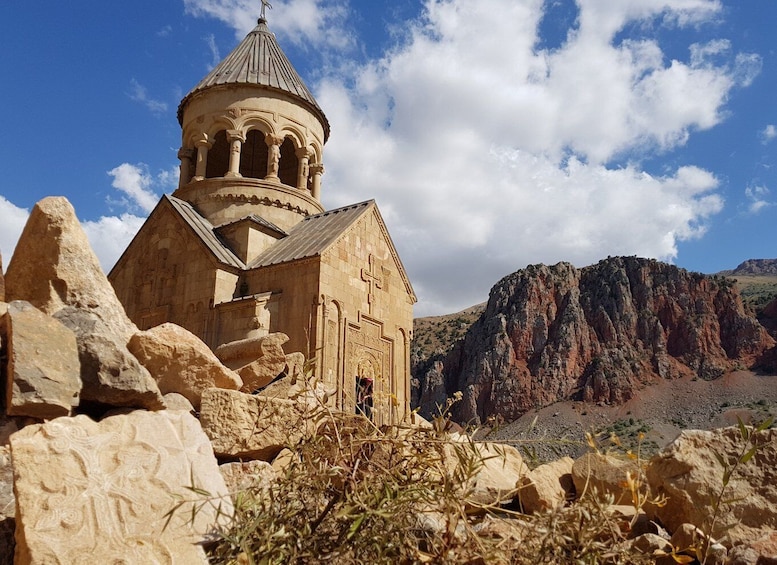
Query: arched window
[[253, 157], [218, 156], [288, 168]]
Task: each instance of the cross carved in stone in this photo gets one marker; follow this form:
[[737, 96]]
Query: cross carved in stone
[[373, 276]]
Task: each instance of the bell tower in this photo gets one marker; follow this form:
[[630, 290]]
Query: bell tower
[[253, 139]]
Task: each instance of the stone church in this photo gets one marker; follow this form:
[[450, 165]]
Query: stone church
[[244, 247]]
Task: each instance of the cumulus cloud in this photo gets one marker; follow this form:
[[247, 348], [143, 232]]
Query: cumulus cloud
[[110, 236], [11, 227], [134, 181], [139, 93], [768, 133], [487, 152]]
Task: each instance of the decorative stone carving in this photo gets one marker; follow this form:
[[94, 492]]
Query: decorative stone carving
[[99, 492], [180, 362], [43, 367]]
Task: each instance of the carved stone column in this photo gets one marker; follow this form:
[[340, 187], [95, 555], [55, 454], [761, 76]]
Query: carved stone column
[[236, 140], [303, 154], [316, 169], [185, 155], [203, 144], [273, 155]]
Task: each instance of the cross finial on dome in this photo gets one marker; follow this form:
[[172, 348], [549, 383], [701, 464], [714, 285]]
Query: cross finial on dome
[[265, 4]]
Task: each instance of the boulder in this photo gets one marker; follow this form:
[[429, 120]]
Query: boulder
[[54, 266], [689, 474], [604, 475], [43, 371], [258, 361], [547, 486], [101, 491], [180, 362], [111, 375], [244, 426], [175, 401], [244, 475]]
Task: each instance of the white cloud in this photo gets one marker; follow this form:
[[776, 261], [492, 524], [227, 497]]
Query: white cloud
[[11, 226], [768, 133], [139, 93], [135, 182], [486, 154], [110, 236], [305, 22], [757, 197]]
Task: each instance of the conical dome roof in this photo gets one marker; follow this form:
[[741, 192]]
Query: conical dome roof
[[258, 60]]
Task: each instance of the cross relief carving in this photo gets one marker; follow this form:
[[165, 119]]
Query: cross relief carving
[[375, 277]]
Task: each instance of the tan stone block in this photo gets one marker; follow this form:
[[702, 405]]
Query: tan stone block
[[43, 369], [244, 475], [548, 486], [180, 362], [603, 474], [100, 491], [253, 427]]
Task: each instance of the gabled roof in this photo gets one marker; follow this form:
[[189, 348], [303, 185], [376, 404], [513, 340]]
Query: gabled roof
[[204, 231], [312, 236], [263, 225], [258, 60]]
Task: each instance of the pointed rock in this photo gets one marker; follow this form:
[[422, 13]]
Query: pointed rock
[[99, 492], [110, 374], [43, 371], [180, 362], [54, 266]]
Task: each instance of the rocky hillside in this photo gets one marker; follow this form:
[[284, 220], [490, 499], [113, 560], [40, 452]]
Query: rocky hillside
[[755, 267], [598, 334]]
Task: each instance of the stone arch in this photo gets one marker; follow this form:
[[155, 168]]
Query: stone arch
[[253, 157], [218, 156], [288, 167]]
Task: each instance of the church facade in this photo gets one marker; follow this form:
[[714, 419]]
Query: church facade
[[244, 247]]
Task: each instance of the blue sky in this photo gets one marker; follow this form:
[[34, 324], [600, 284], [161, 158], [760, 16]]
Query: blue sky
[[493, 134]]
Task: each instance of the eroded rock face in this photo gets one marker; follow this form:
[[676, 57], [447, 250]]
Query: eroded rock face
[[43, 367], [110, 374], [7, 507], [54, 266], [2, 280], [595, 334], [100, 491], [180, 362], [690, 475], [244, 426]]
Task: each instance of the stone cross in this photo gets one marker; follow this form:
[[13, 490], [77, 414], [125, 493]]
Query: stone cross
[[374, 277], [265, 4]]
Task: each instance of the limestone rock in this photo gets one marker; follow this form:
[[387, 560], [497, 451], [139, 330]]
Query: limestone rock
[[54, 266], [111, 375], [257, 360], [649, 543], [100, 491], [43, 367], [689, 474], [547, 486], [244, 426], [604, 474], [241, 476], [175, 401], [180, 362]]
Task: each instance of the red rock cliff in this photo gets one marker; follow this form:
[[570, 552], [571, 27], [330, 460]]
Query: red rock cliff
[[597, 334]]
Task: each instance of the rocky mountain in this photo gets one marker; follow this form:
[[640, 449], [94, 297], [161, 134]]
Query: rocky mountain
[[755, 267], [597, 334]]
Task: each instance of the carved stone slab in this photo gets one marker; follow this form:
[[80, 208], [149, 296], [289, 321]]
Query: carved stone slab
[[98, 492]]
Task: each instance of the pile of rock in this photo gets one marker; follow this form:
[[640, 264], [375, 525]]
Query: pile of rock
[[105, 428]]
